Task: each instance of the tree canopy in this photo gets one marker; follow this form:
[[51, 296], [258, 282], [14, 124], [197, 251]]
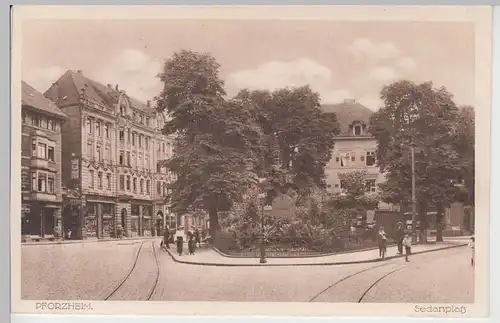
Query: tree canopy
[[424, 117], [217, 142], [299, 136]]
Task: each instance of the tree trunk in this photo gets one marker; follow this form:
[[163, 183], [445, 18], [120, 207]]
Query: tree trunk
[[422, 216], [214, 222], [439, 223]]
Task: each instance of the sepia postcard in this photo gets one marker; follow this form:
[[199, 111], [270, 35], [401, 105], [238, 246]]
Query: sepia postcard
[[251, 160]]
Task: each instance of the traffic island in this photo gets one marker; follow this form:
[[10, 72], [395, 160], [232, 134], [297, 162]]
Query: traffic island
[[210, 257]]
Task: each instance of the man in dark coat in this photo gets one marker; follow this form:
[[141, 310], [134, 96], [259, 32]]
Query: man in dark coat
[[166, 236], [399, 236]]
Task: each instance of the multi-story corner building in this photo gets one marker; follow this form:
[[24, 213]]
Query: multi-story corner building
[[111, 148], [355, 150], [40, 164], [355, 147]]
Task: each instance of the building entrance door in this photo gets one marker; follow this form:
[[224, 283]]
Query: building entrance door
[[48, 222]]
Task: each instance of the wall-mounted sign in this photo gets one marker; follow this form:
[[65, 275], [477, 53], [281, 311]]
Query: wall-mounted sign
[[75, 169]]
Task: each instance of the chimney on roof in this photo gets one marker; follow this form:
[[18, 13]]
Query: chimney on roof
[[80, 71], [109, 86], [349, 101], [116, 87], [148, 103]]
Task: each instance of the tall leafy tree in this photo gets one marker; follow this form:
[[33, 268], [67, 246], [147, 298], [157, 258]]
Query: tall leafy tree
[[465, 145], [298, 135], [424, 117], [217, 142]]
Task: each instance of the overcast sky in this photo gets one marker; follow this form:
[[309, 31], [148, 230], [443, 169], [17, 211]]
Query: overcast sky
[[338, 59]]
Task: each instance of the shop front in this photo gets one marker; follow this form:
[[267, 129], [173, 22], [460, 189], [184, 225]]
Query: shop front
[[100, 219], [40, 219]]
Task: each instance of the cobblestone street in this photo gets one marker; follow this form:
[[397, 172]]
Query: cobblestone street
[[95, 270]]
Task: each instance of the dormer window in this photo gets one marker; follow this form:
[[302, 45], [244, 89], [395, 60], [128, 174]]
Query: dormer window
[[358, 130]]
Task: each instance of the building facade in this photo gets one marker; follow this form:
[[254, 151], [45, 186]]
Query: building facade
[[355, 149], [41, 194], [112, 146]]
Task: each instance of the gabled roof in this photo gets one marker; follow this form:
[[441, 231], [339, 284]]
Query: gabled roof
[[348, 112], [34, 99], [67, 89]]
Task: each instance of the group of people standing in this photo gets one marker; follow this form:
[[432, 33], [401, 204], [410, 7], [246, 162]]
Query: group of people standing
[[192, 237], [402, 238]]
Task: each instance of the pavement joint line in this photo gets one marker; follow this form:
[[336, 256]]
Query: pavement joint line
[[213, 264]]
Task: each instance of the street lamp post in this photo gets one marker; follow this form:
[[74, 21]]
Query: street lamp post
[[263, 259], [413, 197]]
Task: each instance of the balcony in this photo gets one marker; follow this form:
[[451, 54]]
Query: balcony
[[40, 196], [43, 164]]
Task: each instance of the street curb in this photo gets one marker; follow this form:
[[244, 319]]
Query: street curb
[[305, 256], [45, 243], [310, 264]]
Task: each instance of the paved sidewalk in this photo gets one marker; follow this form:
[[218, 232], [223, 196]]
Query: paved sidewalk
[[206, 256], [89, 240]]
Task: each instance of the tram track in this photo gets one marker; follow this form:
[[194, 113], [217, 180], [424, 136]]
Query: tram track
[[392, 266], [145, 271]]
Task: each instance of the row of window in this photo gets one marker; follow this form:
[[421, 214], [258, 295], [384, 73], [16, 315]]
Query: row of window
[[125, 159], [42, 150], [100, 184], [99, 154], [347, 159], [41, 121], [135, 138], [42, 182], [125, 184], [94, 126], [137, 117]]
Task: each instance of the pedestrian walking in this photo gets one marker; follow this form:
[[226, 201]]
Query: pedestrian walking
[[191, 241], [166, 237], [400, 235], [407, 245], [198, 237], [382, 242], [179, 239], [472, 245]]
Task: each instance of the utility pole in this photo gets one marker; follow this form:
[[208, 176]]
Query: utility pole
[[413, 197]]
